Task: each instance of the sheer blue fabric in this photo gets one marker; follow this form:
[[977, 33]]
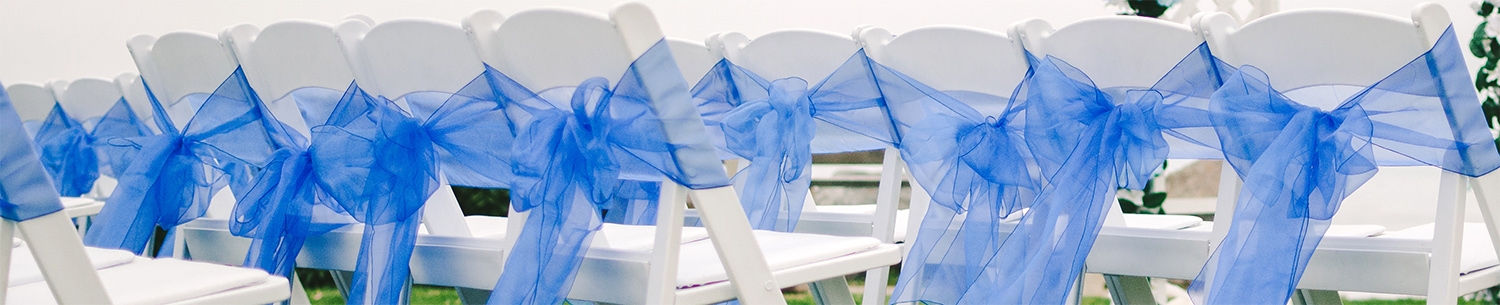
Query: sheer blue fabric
[[170, 177], [68, 153], [1299, 162], [286, 201], [68, 147], [26, 192], [580, 148], [1058, 127], [119, 122], [774, 123]]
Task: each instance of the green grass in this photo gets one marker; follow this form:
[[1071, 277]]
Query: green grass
[[420, 294]]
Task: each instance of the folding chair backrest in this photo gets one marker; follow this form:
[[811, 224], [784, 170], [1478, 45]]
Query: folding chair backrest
[[182, 64], [86, 99], [548, 48], [287, 56], [1130, 52], [951, 58], [134, 92], [693, 58], [400, 57], [1115, 51], [1307, 50], [32, 102]]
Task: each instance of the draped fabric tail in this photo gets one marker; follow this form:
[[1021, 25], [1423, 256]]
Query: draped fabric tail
[[25, 190], [541, 267], [383, 270], [119, 122], [67, 152]]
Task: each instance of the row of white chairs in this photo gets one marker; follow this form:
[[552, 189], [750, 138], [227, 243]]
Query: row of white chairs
[[395, 58]]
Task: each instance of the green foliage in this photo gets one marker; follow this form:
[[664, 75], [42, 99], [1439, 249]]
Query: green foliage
[[1144, 201], [1486, 47], [478, 201]]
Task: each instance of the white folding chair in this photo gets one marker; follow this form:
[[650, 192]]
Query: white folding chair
[[1128, 52], [1303, 51], [812, 56], [34, 103], [61, 258], [280, 61], [948, 59], [87, 100], [677, 270], [182, 69]]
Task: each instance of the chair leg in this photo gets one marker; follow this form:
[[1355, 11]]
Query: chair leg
[[832, 291], [469, 296], [299, 294], [342, 280], [1316, 297], [1130, 290], [875, 283]]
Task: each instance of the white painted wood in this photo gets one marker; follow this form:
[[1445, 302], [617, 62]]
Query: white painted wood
[[32, 102], [86, 99], [134, 92]]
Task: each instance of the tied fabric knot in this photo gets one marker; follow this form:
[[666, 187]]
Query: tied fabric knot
[[579, 149], [977, 170], [169, 178], [285, 202], [775, 134], [1299, 163], [773, 123], [67, 153], [379, 165], [1066, 146], [72, 154], [566, 172]]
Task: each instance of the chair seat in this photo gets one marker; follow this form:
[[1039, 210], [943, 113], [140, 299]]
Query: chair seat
[[165, 281], [24, 270], [1403, 256], [699, 263], [1477, 252], [81, 206], [1161, 222]]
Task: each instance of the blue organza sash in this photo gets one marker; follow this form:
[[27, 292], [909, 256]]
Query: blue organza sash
[[67, 145], [119, 122], [1299, 162], [580, 148], [773, 123], [26, 192], [286, 201], [169, 178], [381, 163], [1060, 147]]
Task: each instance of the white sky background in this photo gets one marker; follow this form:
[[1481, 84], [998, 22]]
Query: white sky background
[[44, 40]]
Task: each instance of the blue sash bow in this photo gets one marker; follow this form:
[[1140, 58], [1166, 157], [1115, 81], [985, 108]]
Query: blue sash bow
[[1298, 162], [169, 178], [68, 149], [25, 190], [119, 122], [773, 123], [286, 201], [579, 149], [1059, 128]]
